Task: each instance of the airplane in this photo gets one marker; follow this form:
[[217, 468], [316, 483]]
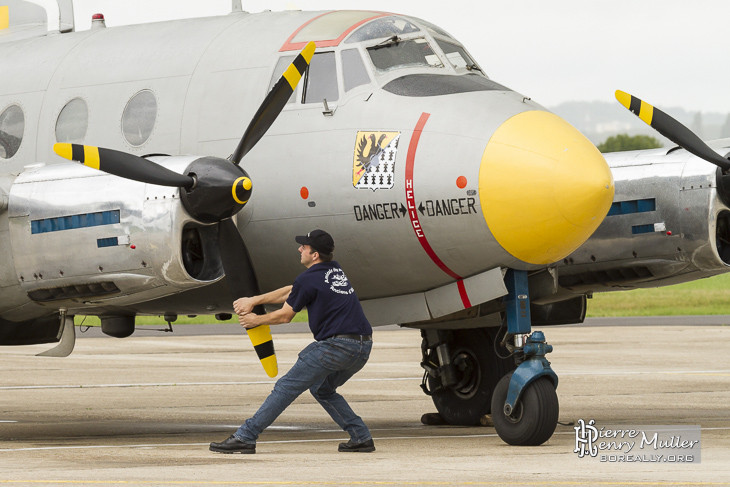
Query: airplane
[[459, 207]]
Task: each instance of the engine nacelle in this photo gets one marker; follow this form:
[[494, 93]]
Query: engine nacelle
[[668, 224], [83, 239]]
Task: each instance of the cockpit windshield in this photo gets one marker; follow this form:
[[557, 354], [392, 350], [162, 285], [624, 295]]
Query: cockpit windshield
[[407, 43], [382, 27], [457, 56], [402, 54]]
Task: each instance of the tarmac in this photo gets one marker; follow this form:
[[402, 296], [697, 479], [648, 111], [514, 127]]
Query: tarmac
[[142, 411]]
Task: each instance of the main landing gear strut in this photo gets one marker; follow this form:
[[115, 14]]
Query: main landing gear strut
[[468, 378]]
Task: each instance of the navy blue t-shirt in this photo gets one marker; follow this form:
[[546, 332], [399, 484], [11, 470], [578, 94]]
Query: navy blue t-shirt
[[331, 302]]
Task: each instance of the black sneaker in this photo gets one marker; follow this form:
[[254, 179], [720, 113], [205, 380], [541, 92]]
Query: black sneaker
[[232, 445], [364, 447]]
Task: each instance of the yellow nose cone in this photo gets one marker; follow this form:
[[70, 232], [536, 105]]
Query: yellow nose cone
[[544, 188]]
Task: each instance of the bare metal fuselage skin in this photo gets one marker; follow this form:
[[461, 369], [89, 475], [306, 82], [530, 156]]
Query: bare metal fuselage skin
[[669, 224]]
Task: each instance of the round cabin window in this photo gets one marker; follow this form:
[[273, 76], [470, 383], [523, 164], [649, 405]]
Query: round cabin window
[[72, 121], [139, 118], [12, 126]]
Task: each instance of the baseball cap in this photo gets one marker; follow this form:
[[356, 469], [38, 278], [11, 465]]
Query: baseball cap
[[319, 240]]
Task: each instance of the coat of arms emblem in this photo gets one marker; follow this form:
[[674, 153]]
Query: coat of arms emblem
[[373, 164]]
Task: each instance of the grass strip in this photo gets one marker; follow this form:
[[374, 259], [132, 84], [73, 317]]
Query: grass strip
[[710, 296]]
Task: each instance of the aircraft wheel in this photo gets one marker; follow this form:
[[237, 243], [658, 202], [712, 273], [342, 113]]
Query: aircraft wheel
[[535, 415], [466, 402]]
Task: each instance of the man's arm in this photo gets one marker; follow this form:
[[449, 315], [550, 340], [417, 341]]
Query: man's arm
[[246, 305], [283, 315]]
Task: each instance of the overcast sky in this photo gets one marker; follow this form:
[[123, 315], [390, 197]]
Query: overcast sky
[[671, 53]]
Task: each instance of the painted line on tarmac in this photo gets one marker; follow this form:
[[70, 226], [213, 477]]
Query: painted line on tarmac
[[274, 427], [180, 384], [320, 482], [652, 372], [271, 442], [569, 425], [243, 383], [274, 442]]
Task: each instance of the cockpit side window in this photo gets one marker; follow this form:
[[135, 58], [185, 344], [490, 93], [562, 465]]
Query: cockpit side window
[[402, 54], [321, 81], [353, 69], [281, 66], [457, 56]]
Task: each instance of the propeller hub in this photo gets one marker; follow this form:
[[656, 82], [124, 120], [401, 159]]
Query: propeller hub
[[221, 189]]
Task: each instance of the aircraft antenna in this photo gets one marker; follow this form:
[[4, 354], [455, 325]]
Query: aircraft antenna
[[66, 16]]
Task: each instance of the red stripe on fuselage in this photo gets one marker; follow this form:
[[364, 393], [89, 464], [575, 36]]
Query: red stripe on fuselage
[[413, 212], [462, 294]]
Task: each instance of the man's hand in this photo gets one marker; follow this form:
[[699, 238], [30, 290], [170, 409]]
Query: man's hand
[[250, 320], [243, 306]]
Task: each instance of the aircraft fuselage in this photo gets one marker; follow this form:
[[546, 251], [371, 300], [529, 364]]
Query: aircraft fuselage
[[396, 168]]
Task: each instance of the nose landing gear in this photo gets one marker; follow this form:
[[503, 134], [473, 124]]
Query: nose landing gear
[[467, 377], [524, 404]]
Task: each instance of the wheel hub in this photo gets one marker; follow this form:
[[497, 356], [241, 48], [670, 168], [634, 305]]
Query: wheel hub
[[515, 415], [468, 365]]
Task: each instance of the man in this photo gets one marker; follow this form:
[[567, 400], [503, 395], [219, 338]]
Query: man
[[343, 342]]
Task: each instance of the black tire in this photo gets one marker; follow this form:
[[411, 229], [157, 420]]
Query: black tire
[[535, 416], [472, 399]]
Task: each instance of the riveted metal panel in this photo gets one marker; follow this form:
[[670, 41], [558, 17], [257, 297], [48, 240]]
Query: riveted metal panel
[[145, 263], [397, 309], [476, 289]]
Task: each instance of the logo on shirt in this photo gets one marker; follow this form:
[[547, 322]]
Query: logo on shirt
[[373, 164], [338, 282]]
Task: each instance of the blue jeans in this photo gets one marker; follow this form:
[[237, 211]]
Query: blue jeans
[[322, 367]]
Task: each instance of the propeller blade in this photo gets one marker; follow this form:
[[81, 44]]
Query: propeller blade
[[274, 103], [241, 281], [124, 165], [672, 129]]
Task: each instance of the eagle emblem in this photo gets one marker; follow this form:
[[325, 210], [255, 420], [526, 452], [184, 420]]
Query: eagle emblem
[[373, 164]]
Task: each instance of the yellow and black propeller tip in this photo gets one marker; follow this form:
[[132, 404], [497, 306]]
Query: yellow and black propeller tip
[[263, 344], [636, 106], [122, 164], [298, 67], [274, 103], [671, 129]]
